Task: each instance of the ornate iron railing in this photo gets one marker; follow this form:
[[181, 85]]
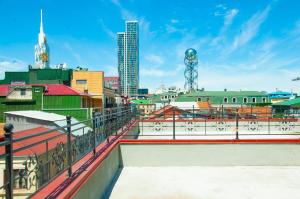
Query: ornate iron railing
[[174, 122], [61, 151]]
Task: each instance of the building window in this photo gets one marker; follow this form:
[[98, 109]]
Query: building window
[[225, 100], [81, 81], [264, 100], [234, 100], [199, 99], [253, 100], [245, 100], [23, 91]]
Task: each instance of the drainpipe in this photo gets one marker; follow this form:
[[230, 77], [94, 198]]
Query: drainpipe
[[42, 101]]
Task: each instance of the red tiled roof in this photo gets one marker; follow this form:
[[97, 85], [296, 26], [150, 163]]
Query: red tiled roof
[[4, 90], [50, 89], [167, 111], [39, 148], [59, 89]]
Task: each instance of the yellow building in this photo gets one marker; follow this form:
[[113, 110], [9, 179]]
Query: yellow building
[[92, 83]]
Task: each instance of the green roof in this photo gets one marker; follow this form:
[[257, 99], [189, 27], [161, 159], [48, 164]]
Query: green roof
[[141, 101], [184, 98], [291, 102], [226, 94], [217, 97], [156, 98], [39, 76]]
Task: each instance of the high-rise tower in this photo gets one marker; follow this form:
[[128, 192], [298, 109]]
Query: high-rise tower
[[41, 49], [128, 58]]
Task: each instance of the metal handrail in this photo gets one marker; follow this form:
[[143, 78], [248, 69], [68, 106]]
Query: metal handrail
[[52, 130], [36, 143], [38, 134]]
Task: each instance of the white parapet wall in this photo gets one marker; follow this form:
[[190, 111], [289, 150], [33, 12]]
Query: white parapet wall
[[211, 154]]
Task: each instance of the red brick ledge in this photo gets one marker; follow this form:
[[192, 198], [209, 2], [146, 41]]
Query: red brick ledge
[[210, 141]]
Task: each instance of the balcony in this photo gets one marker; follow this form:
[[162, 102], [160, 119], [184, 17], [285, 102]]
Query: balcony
[[171, 155]]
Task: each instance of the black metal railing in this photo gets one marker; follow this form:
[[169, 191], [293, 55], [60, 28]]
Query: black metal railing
[[60, 150]]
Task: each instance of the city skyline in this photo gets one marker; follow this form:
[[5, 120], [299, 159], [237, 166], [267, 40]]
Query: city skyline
[[249, 46]]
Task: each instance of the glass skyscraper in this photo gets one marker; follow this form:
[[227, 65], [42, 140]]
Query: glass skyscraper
[[128, 58]]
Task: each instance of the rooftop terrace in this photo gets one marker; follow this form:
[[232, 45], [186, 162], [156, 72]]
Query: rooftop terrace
[[172, 155]]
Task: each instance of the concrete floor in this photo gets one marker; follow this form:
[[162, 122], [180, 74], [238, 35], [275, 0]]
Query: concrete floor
[[208, 183]]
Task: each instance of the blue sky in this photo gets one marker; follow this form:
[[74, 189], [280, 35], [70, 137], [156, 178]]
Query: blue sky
[[248, 45]]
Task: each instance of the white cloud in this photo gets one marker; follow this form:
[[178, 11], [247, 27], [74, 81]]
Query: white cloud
[[222, 6], [108, 31], [158, 72], [268, 45], [228, 19], [111, 71], [294, 34], [250, 28], [174, 21], [230, 16], [7, 64], [212, 79], [126, 14], [220, 10], [145, 32], [116, 2], [155, 59], [73, 52], [191, 41], [171, 28], [296, 30]]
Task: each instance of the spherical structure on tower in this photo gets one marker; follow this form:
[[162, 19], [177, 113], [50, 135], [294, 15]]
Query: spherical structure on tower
[[191, 70], [190, 54]]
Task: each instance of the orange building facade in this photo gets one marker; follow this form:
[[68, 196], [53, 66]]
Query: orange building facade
[[91, 83]]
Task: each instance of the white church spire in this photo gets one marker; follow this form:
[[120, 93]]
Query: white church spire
[[41, 26], [41, 49], [42, 36]]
